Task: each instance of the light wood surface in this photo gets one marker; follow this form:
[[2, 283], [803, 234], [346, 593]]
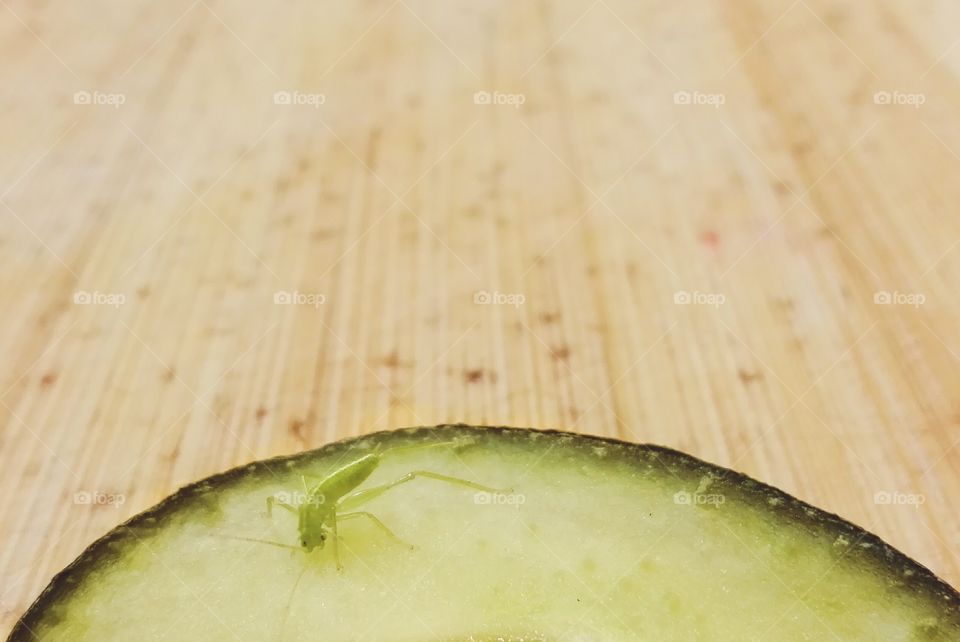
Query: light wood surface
[[583, 212]]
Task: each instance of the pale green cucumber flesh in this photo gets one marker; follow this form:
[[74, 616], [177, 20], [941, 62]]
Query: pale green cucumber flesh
[[597, 540]]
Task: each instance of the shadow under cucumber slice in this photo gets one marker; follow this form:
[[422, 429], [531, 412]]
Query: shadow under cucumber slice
[[597, 539]]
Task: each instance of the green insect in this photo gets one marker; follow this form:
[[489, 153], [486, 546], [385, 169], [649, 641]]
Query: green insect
[[334, 498]]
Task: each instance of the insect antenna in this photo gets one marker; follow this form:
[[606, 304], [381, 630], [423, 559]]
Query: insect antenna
[[293, 591], [259, 541]]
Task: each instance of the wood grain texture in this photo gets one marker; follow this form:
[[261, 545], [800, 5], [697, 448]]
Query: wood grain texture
[[388, 211]]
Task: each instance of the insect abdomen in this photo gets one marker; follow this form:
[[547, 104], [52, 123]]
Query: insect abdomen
[[343, 480]]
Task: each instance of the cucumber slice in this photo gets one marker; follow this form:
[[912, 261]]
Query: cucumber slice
[[598, 540]]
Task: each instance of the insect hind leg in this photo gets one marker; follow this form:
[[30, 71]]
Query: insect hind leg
[[363, 496]]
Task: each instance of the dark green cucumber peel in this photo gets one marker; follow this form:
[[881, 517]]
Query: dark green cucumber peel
[[198, 502]]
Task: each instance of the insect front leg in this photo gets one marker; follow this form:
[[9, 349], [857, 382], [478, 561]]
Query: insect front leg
[[383, 527], [274, 500]]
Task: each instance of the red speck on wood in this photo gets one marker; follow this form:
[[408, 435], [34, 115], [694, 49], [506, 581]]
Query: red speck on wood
[[710, 238]]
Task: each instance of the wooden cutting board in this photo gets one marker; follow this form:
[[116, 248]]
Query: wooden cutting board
[[231, 230]]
